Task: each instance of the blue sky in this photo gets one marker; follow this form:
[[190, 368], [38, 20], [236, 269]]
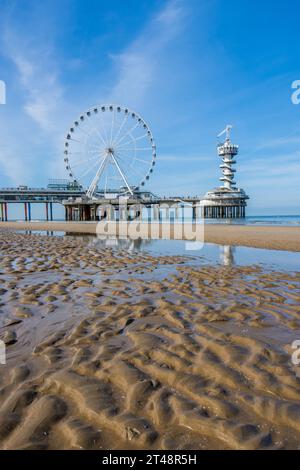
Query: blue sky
[[189, 67]]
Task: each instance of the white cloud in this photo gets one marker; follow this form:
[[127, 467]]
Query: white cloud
[[138, 66], [184, 158], [279, 142], [39, 79], [34, 114], [13, 168]]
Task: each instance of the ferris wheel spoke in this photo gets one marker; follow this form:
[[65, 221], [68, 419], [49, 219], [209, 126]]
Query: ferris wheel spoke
[[130, 142], [82, 152], [130, 145], [96, 147], [127, 133], [122, 174], [140, 160], [81, 129], [120, 129], [92, 188], [140, 175], [86, 160], [141, 137], [105, 131], [88, 170], [145, 149], [75, 140], [112, 127], [95, 129], [134, 139]]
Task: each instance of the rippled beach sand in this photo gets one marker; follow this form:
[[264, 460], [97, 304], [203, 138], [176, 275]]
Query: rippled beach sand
[[112, 350]]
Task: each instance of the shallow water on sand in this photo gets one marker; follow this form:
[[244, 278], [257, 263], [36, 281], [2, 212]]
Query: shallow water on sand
[[211, 254]]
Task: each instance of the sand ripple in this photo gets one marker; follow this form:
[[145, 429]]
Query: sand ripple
[[114, 350]]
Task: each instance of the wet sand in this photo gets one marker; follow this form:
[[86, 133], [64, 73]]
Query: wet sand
[[273, 238], [112, 350]]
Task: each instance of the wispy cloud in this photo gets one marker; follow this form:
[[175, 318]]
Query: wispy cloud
[[34, 118], [137, 67], [280, 141], [13, 167], [183, 158], [38, 76]]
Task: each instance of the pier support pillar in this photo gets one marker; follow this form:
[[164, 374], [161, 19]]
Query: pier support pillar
[[111, 213], [87, 212], [138, 214], [125, 213], [194, 213], [51, 211], [149, 214], [93, 212], [182, 214], [5, 212], [47, 211]]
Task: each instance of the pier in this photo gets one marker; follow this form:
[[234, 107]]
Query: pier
[[55, 192], [223, 202], [130, 203], [130, 208]]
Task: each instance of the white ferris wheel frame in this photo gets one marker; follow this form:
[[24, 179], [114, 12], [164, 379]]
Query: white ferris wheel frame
[[114, 145]]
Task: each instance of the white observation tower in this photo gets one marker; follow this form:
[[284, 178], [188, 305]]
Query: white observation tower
[[228, 151], [227, 201]]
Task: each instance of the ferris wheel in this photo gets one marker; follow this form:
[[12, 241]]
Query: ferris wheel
[[110, 148]]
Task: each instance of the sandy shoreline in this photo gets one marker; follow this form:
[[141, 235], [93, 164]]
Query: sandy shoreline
[[112, 350], [274, 238]]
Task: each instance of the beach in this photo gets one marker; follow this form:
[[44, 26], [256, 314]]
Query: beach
[[107, 349], [268, 237]]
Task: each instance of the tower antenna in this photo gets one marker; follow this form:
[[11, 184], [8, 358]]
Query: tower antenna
[[226, 131]]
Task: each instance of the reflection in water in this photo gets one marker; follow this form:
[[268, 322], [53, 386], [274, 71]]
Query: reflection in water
[[227, 255], [128, 244], [103, 241], [209, 254]]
